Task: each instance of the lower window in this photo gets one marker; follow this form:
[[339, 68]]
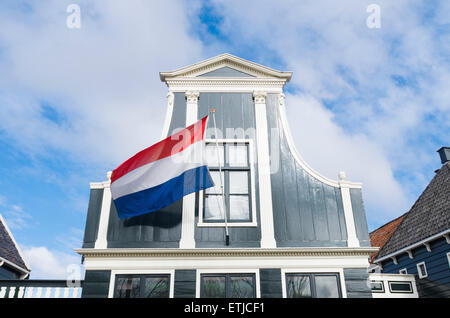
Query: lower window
[[400, 287], [142, 286], [377, 286], [227, 286], [302, 285]]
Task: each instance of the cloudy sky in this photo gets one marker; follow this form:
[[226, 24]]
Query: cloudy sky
[[76, 102]]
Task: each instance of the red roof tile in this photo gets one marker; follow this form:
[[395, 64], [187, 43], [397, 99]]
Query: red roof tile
[[380, 236]]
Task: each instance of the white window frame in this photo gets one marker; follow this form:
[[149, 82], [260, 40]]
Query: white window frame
[[382, 291], [112, 281], [338, 271], [253, 271], [411, 291], [253, 214], [448, 258], [403, 271], [419, 272]]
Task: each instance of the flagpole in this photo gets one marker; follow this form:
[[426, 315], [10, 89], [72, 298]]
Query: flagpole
[[227, 235]]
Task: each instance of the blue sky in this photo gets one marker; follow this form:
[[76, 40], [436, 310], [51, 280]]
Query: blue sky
[[75, 103]]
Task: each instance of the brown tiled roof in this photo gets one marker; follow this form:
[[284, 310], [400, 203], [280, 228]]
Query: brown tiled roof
[[429, 215], [8, 249], [380, 236]]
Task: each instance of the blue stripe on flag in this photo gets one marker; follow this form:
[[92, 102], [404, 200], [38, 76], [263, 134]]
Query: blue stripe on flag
[[156, 198]]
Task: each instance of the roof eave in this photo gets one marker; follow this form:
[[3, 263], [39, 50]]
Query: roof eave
[[412, 246]]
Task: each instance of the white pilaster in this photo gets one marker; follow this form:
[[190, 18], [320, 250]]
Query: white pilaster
[[188, 215], [265, 189], [170, 99], [102, 241], [352, 239]]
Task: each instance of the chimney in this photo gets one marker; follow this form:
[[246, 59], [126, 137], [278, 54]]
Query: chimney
[[444, 152]]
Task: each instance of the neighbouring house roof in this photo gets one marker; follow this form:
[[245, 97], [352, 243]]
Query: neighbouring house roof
[[9, 250], [380, 236], [429, 215]]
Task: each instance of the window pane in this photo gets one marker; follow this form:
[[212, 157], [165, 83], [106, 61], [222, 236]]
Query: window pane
[[213, 287], [327, 286], [239, 207], [211, 155], [423, 270], [377, 286], [242, 287], [156, 287], [215, 175], [238, 182], [398, 287], [298, 286], [237, 155], [127, 287], [213, 207]]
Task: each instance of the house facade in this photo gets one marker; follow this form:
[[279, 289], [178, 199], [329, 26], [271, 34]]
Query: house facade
[[293, 232], [420, 244]]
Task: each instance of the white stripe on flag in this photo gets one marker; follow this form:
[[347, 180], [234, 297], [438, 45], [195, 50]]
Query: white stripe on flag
[[158, 172]]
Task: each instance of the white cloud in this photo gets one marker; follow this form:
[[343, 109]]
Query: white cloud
[[71, 238], [105, 101], [15, 216], [368, 94], [101, 82], [50, 264], [328, 149]]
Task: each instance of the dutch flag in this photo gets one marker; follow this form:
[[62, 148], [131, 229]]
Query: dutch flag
[[162, 174]]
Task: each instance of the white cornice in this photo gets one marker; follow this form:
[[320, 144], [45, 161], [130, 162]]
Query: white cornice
[[222, 60], [225, 252], [217, 84]]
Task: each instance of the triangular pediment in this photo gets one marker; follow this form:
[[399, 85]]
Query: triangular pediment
[[226, 71], [226, 66]]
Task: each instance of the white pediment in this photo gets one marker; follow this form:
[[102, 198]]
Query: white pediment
[[226, 66]]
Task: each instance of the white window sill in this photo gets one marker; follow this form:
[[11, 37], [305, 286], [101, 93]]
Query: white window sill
[[230, 224]]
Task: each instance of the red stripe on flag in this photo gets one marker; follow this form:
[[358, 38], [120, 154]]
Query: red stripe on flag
[[163, 149]]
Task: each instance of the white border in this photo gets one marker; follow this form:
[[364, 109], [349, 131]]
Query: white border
[[390, 283], [169, 113], [114, 272], [102, 235], [254, 221], [254, 271], [403, 271], [319, 270], [419, 272], [187, 239], [264, 171]]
